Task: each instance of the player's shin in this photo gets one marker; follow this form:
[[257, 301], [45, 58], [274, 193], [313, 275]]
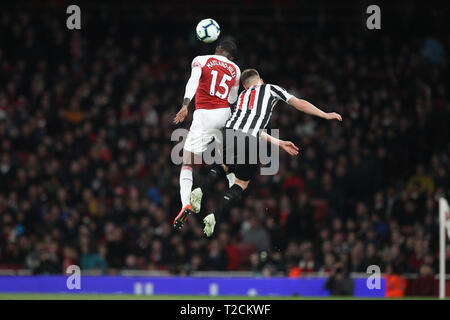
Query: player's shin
[[229, 199], [186, 182], [215, 174]]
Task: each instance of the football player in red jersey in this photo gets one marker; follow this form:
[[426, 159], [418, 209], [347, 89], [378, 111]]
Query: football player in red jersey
[[215, 82]]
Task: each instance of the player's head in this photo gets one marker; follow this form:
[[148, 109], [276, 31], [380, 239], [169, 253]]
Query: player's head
[[227, 48], [250, 77]]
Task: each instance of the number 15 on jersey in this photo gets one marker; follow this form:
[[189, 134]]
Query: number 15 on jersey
[[223, 84]]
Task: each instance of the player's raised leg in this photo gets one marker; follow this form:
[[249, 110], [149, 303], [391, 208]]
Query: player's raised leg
[[186, 181], [194, 146], [229, 199]]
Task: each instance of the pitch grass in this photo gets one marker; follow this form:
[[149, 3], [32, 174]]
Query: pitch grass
[[26, 296]]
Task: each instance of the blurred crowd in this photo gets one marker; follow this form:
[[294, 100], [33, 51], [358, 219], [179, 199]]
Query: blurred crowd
[[85, 140]]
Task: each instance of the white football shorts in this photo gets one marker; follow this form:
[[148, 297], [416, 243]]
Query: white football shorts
[[205, 127]]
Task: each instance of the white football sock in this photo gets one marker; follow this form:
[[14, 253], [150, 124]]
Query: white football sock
[[185, 184], [231, 177]]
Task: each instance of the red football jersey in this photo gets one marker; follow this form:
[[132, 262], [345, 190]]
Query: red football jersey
[[219, 82]]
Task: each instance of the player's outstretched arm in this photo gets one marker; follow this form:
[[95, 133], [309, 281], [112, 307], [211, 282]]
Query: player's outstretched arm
[[287, 146], [309, 108], [191, 88]]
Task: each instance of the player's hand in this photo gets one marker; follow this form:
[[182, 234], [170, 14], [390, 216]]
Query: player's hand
[[181, 115], [334, 115], [289, 147]]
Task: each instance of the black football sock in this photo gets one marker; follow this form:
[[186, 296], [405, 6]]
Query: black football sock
[[229, 199], [215, 174]]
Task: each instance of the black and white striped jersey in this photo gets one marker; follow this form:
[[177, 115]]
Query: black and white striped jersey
[[254, 108]]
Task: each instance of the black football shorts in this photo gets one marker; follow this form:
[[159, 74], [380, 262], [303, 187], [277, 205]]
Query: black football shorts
[[240, 153]]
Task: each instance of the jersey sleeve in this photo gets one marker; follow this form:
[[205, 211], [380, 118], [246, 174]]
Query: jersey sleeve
[[232, 98], [280, 93], [192, 84], [196, 63]]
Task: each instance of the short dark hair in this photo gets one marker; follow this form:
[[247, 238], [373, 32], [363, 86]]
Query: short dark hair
[[229, 47], [247, 74]]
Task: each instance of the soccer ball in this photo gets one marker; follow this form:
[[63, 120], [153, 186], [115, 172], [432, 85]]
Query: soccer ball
[[208, 30]]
